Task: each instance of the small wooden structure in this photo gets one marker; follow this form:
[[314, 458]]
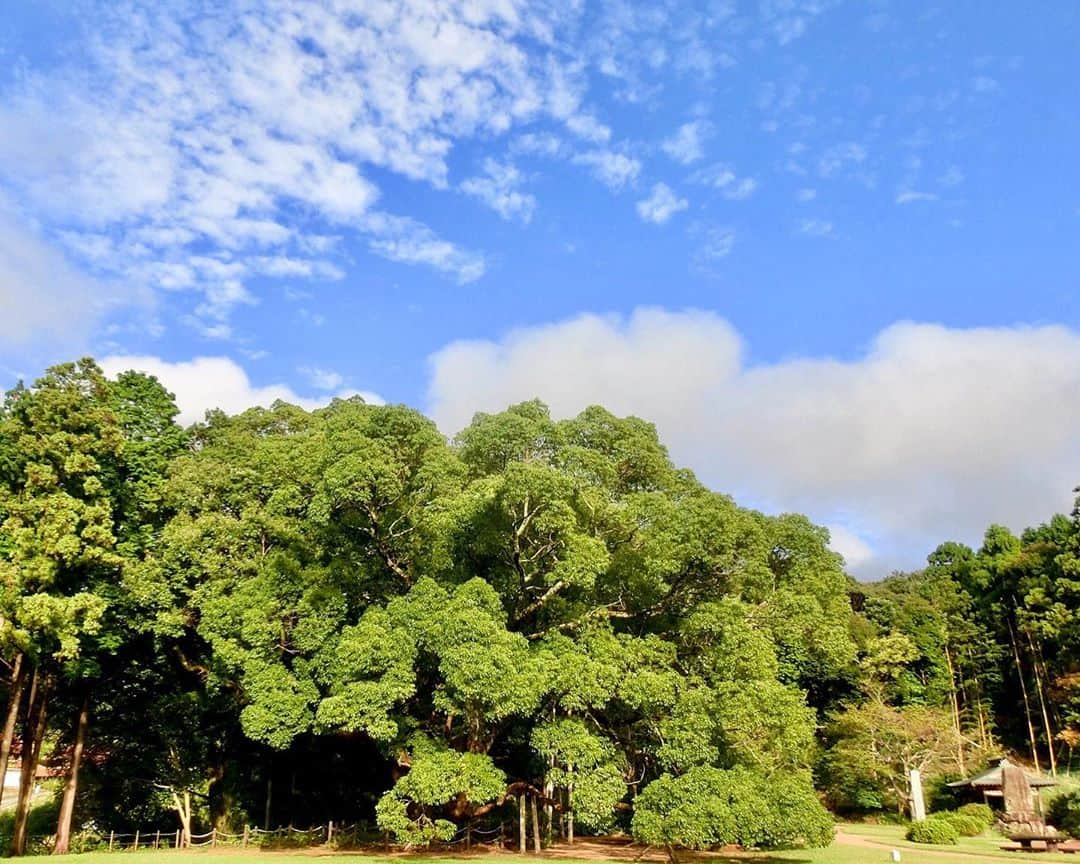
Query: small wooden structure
[[1021, 797], [1022, 816]]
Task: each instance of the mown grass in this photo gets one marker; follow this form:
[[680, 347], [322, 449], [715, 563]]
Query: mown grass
[[870, 844]]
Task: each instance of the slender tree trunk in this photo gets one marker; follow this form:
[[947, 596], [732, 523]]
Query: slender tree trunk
[[570, 809], [183, 811], [33, 734], [71, 788], [1024, 693], [955, 710], [986, 737], [1042, 703], [523, 839], [18, 680], [549, 808], [535, 825], [980, 715]]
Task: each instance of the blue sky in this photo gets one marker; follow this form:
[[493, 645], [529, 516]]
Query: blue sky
[[830, 248]]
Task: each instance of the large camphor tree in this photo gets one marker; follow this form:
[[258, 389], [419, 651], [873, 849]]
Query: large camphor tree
[[538, 608]]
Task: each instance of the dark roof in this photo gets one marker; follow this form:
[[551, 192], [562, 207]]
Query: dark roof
[[991, 779]]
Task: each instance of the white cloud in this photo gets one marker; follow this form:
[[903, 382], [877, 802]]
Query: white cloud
[[687, 143], [498, 188], [857, 553], [806, 195], [205, 383], [176, 131], [399, 238], [661, 204], [932, 433], [612, 169]]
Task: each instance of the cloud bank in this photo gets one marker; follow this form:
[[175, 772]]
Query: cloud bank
[[930, 434]]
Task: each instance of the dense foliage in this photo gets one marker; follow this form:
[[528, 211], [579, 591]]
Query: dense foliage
[[405, 628], [285, 617]]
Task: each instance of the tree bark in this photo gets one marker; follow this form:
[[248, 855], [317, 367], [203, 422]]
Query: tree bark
[[18, 681], [71, 788], [33, 733]]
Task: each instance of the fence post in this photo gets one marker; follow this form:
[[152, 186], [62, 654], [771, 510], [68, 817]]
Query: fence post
[[157, 839], [177, 838], [136, 846], [245, 835], [213, 837], [468, 835], [112, 836]]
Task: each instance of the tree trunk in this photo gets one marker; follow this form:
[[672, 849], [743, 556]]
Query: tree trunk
[[71, 788], [183, 812], [535, 826], [269, 798], [1042, 703], [33, 733], [570, 810], [1024, 693], [549, 797], [522, 837], [18, 681], [955, 703]]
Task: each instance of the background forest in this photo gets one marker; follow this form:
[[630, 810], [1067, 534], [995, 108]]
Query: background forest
[[285, 617]]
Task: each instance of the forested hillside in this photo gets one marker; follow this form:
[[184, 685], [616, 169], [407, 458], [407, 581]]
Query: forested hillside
[[285, 617]]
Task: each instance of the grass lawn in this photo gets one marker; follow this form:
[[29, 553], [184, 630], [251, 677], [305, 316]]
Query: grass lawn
[[856, 844]]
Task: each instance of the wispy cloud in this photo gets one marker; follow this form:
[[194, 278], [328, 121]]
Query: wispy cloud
[[816, 227], [715, 243], [687, 143], [912, 196], [399, 238], [498, 188], [185, 133], [614, 170], [661, 204], [322, 379], [722, 177]]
